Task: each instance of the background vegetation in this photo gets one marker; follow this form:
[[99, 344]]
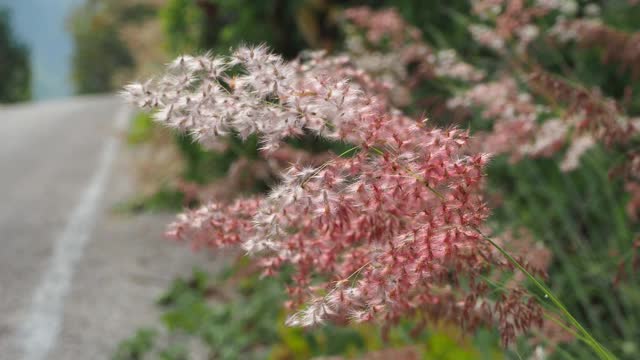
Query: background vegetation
[[15, 68]]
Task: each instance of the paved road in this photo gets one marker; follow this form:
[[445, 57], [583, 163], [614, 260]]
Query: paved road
[[75, 278]]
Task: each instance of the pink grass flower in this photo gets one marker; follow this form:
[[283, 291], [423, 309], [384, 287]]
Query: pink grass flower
[[389, 231]]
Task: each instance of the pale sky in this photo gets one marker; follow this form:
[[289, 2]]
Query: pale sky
[[40, 24]]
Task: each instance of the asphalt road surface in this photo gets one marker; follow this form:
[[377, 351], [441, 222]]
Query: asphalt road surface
[[75, 277]]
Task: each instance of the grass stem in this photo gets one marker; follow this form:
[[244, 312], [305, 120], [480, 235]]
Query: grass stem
[[598, 348]]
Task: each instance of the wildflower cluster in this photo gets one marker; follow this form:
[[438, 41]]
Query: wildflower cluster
[[619, 47], [202, 96], [506, 22], [388, 230], [537, 113], [392, 51], [514, 117], [515, 110], [586, 117]]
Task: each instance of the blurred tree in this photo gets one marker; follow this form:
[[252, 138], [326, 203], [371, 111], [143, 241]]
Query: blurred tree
[[15, 68], [197, 25], [100, 54]]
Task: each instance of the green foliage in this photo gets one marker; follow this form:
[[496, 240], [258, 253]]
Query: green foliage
[[240, 317], [141, 129], [240, 328], [184, 25], [137, 346], [135, 13], [204, 166], [165, 199], [175, 352], [15, 69], [196, 26], [289, 26]]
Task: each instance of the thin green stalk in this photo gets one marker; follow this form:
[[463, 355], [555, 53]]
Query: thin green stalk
[[602, 352]]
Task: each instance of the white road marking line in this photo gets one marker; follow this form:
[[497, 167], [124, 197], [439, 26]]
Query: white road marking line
[[39, 333]]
